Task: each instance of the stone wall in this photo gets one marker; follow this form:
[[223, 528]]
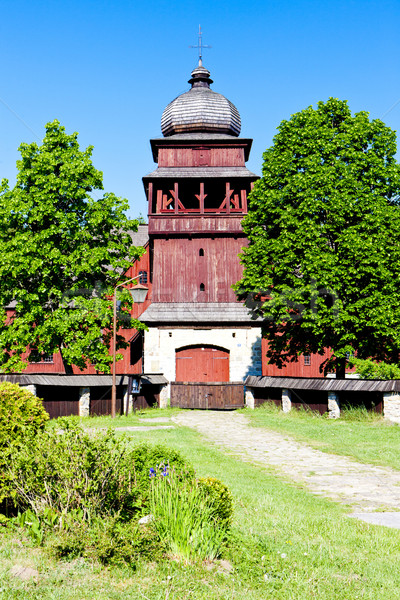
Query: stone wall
[[244, 345]]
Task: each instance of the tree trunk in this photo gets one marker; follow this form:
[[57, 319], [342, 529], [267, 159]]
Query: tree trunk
[[67, 367], [340, 368]]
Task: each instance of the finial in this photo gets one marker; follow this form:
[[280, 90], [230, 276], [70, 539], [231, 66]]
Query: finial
[[200, 46]]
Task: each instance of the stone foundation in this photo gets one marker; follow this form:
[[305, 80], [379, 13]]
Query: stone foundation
[[84, 402], [333, 405], [391, 406], [249, 398], [286, 400]]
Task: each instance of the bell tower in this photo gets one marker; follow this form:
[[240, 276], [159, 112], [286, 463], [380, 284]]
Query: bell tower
[[197, 197]]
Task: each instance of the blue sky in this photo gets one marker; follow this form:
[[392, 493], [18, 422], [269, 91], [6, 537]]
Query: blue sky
[[108, 69]]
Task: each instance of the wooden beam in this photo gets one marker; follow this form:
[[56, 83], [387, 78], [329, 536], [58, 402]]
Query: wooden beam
[[201, 197], [150, 197], [244, 200], [159, 201]]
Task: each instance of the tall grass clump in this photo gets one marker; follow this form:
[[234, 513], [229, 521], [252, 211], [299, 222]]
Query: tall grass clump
[[359, 413], [187, 516]]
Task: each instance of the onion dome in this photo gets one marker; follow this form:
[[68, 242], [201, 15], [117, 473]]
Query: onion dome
[[200, 110]]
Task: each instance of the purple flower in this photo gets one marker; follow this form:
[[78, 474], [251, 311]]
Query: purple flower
[[152, 472]]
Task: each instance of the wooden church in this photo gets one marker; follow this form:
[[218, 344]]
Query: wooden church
[[200, 338], [201, 344]]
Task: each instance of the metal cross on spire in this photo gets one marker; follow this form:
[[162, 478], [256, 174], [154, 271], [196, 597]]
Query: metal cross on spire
[[200, 46]]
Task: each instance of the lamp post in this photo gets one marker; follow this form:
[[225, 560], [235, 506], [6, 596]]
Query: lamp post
[[138, 293]]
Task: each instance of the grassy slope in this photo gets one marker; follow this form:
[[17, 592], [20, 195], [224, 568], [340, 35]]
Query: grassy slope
[[374, 441], [305, 546]]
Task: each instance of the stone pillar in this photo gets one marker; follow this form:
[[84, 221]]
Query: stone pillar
[[286, 400], [84, 401], [165, 395], [31, 388], [391, 406], [333, 405], [127, 401], [249, 398]]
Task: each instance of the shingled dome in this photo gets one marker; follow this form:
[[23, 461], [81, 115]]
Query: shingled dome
[[200, 110]]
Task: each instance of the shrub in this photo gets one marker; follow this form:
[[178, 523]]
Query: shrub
[[107, 540], [21, 415], [20, 412], [219, 498], [143, 460], [369, 369], [96, 473]]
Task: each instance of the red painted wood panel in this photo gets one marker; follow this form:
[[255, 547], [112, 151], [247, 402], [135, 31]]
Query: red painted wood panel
[[294, 369], [202, 364], [190, 224], [180, 271], [201, 156]]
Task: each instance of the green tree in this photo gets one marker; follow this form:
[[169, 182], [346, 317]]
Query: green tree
[[62, 249], [323, 262]]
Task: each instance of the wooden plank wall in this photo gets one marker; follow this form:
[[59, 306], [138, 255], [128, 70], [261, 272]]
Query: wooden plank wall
[[200, 224], [201, 157], [59, 401], [293, 369], [217, 396], [179, 269]]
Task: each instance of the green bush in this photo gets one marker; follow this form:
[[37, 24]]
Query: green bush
[[96, 473], [21, 415], [369, 369], [107, 540], [145, 460], [20, 412], [219, 498]]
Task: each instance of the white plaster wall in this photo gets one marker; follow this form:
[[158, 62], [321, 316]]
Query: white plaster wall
[[244, 347]]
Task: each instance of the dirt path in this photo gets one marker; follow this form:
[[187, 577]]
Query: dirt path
[[364, 487]]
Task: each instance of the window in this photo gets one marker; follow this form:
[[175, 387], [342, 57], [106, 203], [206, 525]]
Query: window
[[142, 277], [35, 357], [307, 360], [201, 252], [202, 287]]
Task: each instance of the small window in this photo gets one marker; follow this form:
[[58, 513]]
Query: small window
[[307, 360], [142, 277], [201, 252], [36, 357], [202, 287]]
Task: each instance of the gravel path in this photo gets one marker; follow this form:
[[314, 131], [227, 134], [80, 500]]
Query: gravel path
[[364, 487]]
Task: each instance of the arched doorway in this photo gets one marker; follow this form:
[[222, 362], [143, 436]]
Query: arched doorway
[[202, 364]]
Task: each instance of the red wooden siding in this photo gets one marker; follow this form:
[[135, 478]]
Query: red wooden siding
[[59, 401], [202, 364], [201, 157], [294, 369], [179, 270], [191, 224]]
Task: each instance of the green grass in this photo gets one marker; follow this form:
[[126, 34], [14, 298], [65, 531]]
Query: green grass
[[286, 545], [366, 437], [142, 418]]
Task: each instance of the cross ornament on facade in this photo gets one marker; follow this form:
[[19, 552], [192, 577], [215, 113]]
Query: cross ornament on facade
[[200, 47]]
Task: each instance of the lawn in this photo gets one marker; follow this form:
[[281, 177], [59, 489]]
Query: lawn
[[286, 544], [366, 438]]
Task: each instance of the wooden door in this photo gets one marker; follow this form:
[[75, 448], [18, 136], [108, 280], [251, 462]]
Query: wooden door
[[202, 364]]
